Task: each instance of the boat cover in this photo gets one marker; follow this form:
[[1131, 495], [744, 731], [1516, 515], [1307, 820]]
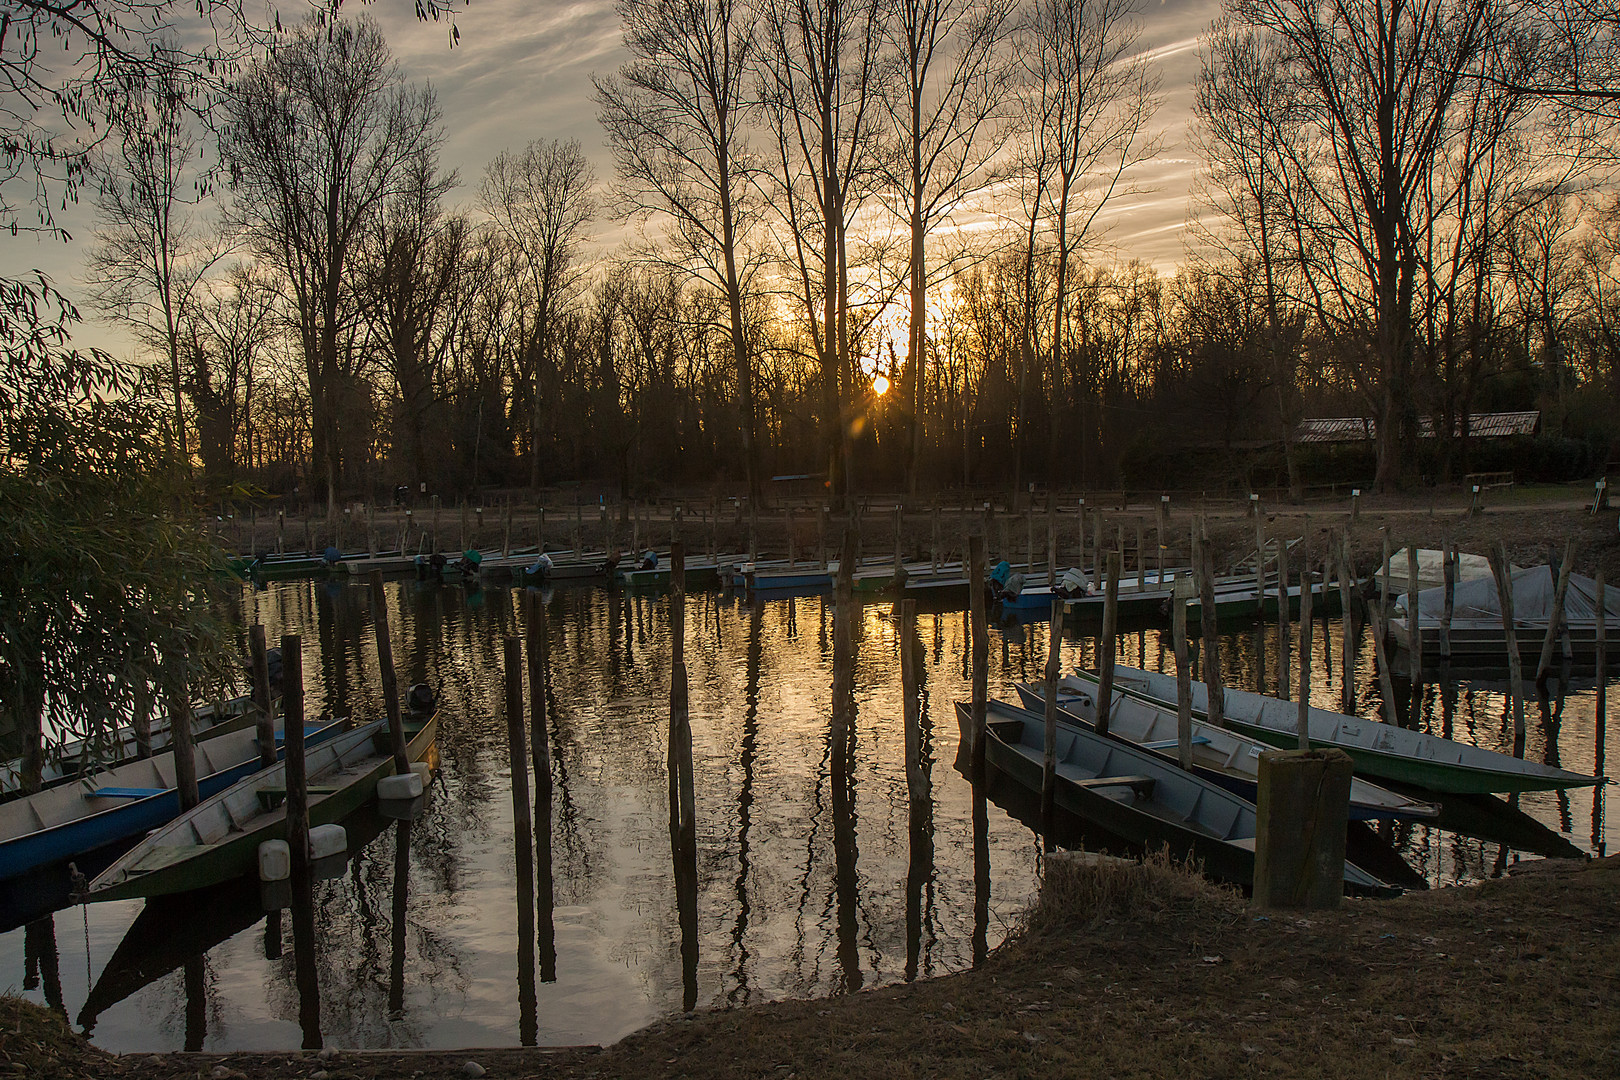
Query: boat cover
[[1532, 599]]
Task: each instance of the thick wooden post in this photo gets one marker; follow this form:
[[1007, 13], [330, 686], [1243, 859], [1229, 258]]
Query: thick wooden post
[[1377, 625], [1105, 647], [980, 664], [1284, 613], [1208, 628], [178, 691], [1502, 571], [1054, 666], [1178, 622], [1555, 624], [1414, 632], [390, 677], [1305, 654], [1347, 624], [265, 718]]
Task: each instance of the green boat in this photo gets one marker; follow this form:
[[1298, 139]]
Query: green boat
[[218, 840], [1378, 749]]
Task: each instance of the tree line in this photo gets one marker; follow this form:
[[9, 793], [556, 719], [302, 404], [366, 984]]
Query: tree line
[[1401, 216]]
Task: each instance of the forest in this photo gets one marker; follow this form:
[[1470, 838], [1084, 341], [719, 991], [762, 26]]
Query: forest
[[1403, 213]]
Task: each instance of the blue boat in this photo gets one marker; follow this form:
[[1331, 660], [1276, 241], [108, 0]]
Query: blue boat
[[64, 822]]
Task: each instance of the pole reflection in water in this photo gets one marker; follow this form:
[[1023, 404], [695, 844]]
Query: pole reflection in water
[[919, 761], [739, 994], [981, 875], [682, 796], [541, 706], [42, 962], [196, 1004], [841, 733], [522, 845]]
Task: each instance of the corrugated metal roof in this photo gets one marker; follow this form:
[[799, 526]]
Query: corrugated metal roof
[[1362, 429]]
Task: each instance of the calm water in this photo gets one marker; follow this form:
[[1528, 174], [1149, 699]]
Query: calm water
[[803, 888]]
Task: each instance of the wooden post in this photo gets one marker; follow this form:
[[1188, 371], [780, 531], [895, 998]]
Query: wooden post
[[1178, 621], [266, 720], [680, 730], [1450, 571], [1051, 549], [1054, 666], [281, 527], [1347, 622], [1500, 569], [297, 821], [980, 664], [506, 530], [539, 527], [1259, 569], [1029, 540], [899, 539], [1141, 582], [180, 736], [821, 536], [1305, 654], [309, 536], [523, 832], [911, 702], [1105, 647], [390, 677], [933, 550], [1355, 503], [1215, 684], [1554, 624], [1414, 633], [1385, 568], [1600, 645], [143, 712], [792, 541], [1377, 626], [1284, 612], [1080, 540]]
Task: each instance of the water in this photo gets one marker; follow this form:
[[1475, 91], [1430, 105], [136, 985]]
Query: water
[[800, 891]]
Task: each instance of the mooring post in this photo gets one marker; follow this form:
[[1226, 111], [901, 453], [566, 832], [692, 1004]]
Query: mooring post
[[1284, 612], [1051, 548], [1214, 681], [281, 528], [1054, 666], [1105, 647], [792, 540], [506, 530], [1414, 632], [1555, 623], [1600, 644], [178, 690], [264, 717], [1141, 580], [1259, 568], [1386, 568], [1355, 504], [390, 677], [1376, 624], [1347, 624], [1080, 540], [899, 540], [1501, 570], [933, 549], [1178, 622], [1305, 652], [1300, 817], [980, 664], [1449, 568]]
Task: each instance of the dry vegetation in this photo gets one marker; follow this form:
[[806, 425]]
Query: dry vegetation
[[1139, 971]]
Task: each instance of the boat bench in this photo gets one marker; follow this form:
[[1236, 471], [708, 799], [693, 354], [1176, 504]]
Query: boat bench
[[1171, 744], [1142, 785], [272, 797]]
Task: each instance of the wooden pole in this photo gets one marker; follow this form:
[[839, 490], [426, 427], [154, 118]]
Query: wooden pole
[[297, 823], [1305, 654], [1204, 566], [523, 832], [1376, 625], [1259, 566], [1105, 647], [506, 530], [1141, 583], [1554, 624], [1601, 664], [1029, 540], [1450, 571], [390, 677], [1051, 549], [1414, 633], [1054, 665], [980, 663], [1347, 622], [180, 735], [1178, 622], [911, 702], [899, 539], [1385, 568], [266, 721], [792, 541], [1504, 592], [1284, 611]]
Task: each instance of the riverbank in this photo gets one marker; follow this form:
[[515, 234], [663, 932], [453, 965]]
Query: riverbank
[[1119, 972]]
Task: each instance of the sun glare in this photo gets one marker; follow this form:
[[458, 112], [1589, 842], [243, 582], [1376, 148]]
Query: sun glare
[[880, 385]]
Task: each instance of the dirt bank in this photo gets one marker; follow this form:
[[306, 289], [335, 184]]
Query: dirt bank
[[1146, 972]]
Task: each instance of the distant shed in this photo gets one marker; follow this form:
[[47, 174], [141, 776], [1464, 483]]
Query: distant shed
[[1351, 429]]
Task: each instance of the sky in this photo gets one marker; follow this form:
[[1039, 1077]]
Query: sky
[[522, 71]]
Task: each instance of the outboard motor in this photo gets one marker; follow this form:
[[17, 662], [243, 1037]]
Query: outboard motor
[[420, 699]]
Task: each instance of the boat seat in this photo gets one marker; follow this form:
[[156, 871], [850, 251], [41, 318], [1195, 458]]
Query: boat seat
[[272, 797], [1171, 744], [124, 792], [1143, 785]]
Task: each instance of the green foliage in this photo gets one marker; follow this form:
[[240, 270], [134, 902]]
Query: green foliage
[[102, 571]]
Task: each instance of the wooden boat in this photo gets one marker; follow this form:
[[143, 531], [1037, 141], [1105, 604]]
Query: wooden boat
[[219, 839], [1220, 756], [1382, 750], [75, 758], [64, 822], [1134, 794]]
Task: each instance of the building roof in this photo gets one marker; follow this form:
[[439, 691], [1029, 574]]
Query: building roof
[[1362, 429]]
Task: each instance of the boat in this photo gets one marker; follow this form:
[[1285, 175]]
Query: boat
[[1221, 756], [1134, 794], [66, 821], [1380, 750], [77, 757], [218, 840]]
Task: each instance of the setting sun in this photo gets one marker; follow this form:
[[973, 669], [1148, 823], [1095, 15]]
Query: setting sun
[[880, 385]]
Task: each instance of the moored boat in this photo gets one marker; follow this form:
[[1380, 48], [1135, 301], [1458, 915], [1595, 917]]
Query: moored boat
[[218, 840], [1134, 795], [1378, 749]]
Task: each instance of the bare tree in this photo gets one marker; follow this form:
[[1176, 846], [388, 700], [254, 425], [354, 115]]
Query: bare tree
[[675, 118], [943, 107], [1088, 104], [320, 134], [541, 200], [150, 254]]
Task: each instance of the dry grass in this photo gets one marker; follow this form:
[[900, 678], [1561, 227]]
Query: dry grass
[[1127, 972]]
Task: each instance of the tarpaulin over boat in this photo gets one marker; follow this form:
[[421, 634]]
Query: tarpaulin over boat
[[1533, 590]]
